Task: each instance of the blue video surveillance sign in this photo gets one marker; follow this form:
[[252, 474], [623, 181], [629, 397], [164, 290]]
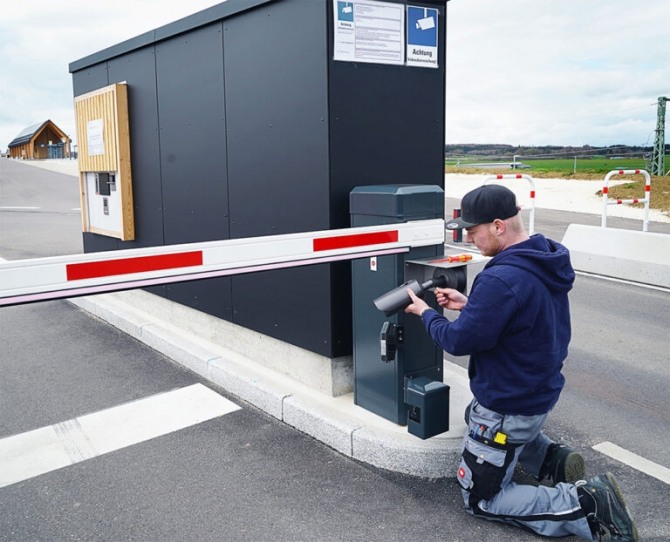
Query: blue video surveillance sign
[[422, 37]]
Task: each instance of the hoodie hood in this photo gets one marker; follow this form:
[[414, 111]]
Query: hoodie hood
[[544, 258]]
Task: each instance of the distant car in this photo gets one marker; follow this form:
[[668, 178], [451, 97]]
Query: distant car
[[519, 165]]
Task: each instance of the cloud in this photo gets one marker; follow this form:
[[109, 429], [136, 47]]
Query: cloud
[[555, 72], [39, 39], [518, 71]]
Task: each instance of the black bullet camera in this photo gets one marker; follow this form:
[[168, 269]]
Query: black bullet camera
[[398, 298]]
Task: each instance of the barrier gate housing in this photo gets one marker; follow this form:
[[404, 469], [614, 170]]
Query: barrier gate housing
[[397, 366]]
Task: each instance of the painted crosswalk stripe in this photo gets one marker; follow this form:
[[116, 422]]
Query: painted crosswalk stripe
[[633, 460], [56, 446]]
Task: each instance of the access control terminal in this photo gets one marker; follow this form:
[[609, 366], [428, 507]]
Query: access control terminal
[[398, 370], [426, 399]]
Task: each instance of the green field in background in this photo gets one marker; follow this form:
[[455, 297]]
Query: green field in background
[[589, 165], [564, 165]]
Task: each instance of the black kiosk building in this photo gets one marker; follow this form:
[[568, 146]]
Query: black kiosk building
[[259, 117]]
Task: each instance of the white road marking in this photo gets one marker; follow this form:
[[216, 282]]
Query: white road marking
[[63, 444], [17, 208], [633, 460]]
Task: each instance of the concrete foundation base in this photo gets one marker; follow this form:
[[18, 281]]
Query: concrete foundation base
[[219, 352], [330, 376]]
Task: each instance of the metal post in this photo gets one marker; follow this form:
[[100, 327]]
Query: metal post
[[646, 200], [531, 219], [658, 157]]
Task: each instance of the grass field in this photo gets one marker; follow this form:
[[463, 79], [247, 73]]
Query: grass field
[[563, 167], [584, 169], [593, 165]]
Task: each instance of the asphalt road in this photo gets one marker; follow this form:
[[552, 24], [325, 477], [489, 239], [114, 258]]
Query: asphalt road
[[39, 212], [246, 476]]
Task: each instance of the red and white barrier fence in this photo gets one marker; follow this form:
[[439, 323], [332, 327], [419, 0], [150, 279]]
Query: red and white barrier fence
[[41, 279], [646, 200], [531, 223]]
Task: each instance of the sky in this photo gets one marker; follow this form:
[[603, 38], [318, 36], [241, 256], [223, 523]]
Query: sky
[[519, 72]]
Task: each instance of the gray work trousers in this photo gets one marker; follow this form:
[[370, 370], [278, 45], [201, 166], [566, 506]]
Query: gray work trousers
[[486, 469]]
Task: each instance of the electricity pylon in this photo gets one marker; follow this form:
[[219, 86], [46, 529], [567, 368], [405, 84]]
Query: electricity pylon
[[658, 157]]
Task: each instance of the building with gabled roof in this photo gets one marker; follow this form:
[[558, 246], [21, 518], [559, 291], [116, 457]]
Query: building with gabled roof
[[40, 142]]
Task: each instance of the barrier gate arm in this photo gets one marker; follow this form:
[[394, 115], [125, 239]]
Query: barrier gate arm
[[42, 279]]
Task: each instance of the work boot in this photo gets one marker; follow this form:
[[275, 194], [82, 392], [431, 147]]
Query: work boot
[[602, 501], [562, 464]]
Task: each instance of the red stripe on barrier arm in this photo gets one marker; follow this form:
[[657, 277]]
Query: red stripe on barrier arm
[[532, 194], [621, 172], [647, 188], [605, 190], [356, 240], [125, 266]]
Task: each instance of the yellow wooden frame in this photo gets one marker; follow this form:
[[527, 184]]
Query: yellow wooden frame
[[110, 106]]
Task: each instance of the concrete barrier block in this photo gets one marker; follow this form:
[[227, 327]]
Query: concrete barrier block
[[625, 254]]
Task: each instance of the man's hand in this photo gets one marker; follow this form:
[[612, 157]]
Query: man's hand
[[417, 306], [450, 298]]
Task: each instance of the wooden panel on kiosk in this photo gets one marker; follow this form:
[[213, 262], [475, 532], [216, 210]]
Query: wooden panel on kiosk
[[105, 176]]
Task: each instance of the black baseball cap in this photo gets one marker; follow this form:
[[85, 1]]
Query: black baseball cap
[[483, 205]]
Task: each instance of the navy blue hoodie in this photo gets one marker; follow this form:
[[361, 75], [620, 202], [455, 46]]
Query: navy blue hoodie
[[515, 327]]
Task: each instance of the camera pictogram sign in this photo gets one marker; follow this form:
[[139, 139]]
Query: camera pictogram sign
[[422, 32]]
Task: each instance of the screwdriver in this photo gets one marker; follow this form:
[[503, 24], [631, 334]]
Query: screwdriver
[[459, 258]]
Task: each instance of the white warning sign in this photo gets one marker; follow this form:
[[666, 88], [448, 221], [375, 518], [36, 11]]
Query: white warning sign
[[369, 31]]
